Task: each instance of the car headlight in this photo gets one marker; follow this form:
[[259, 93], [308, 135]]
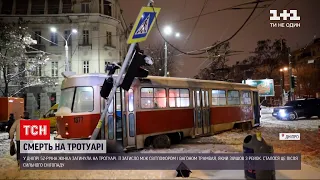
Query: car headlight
[[282, 112]]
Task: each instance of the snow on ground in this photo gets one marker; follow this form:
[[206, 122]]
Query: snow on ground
[[266, 110], [267, 120]]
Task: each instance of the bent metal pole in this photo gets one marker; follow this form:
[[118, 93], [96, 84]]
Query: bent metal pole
[[114, 88]]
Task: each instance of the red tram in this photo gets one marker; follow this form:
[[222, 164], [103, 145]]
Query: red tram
[[156, 110]]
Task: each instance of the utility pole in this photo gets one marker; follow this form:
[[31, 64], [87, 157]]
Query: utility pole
[[165, 59], [290, 75], [67, 68]]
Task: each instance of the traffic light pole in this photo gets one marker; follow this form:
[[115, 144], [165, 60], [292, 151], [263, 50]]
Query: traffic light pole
[[290, 76], [165, 59], [114, 88]]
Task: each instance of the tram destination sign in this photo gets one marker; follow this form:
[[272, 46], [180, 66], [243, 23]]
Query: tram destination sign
[[265, 86]]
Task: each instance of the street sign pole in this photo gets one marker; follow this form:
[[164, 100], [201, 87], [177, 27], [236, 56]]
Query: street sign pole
[[114, 88]]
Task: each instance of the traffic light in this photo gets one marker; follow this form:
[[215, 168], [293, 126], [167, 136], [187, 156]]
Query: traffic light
[[108, 83], [135, 69], [293, 81]]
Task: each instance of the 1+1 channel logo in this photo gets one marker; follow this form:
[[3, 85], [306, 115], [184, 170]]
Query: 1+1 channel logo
[[292, 15], [35, 130]]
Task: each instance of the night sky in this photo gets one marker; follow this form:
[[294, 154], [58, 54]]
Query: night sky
[[221, 25]]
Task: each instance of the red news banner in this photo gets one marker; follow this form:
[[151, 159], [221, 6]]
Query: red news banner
[[34, 129]]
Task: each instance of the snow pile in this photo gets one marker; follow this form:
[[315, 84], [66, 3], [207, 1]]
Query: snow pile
[[266, 110], [267, 120], [4, 144]]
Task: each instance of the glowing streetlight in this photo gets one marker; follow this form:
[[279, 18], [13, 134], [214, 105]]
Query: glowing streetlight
[[53, 29], [73, 31], [167, 30]]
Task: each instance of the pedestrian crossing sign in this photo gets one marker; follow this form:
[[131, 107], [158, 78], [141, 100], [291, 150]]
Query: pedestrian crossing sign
[[143, 24]]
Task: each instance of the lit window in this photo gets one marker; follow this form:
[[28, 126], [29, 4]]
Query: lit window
[[219, 97], [179, 98], [131, 102], [233, 98], [245, 97], [54, 69], [85, 35], [153, 98]]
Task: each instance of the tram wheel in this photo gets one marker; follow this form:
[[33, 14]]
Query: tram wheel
[[161, 141], [246, 126]]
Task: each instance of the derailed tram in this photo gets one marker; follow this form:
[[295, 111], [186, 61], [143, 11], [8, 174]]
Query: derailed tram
[[156, 110]]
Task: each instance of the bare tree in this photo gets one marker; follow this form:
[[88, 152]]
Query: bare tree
[[15, 65], [269, 56], [217, 69], [307, 79], [157, 51]]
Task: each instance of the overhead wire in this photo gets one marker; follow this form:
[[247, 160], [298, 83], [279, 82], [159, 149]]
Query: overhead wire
[[253, 19], [235, 7], [195, 25], [224, 32], [157, 25], [210, 47], [193, 28]]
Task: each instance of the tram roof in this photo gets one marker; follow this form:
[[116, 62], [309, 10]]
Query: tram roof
[[97, 79]]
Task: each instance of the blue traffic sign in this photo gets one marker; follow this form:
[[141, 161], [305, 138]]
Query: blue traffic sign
[[143, 24]]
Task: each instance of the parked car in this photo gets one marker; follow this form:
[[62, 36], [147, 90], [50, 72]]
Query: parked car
[[50, 115], [298, 108]]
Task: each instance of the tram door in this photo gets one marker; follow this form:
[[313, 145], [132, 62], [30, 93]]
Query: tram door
[[201, 112], [131, 123], [256, 109], [116, 119]]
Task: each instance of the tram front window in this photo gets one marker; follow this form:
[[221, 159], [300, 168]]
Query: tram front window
[[82, 101], [66, 98]]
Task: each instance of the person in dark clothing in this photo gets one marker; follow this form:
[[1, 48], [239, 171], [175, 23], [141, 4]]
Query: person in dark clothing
[[10, 122], [15, 129], [26, 115]]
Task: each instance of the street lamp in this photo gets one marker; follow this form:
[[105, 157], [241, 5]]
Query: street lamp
[[282, 82], [167, 31], [74, 31]]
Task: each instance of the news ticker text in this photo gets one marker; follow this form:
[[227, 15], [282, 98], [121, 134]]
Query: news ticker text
[[153, 161]]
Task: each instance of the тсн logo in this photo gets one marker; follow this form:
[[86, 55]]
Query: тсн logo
[[35, 130]]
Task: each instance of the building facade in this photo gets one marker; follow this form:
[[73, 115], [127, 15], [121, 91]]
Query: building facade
[[100, 38], [306, 66]]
